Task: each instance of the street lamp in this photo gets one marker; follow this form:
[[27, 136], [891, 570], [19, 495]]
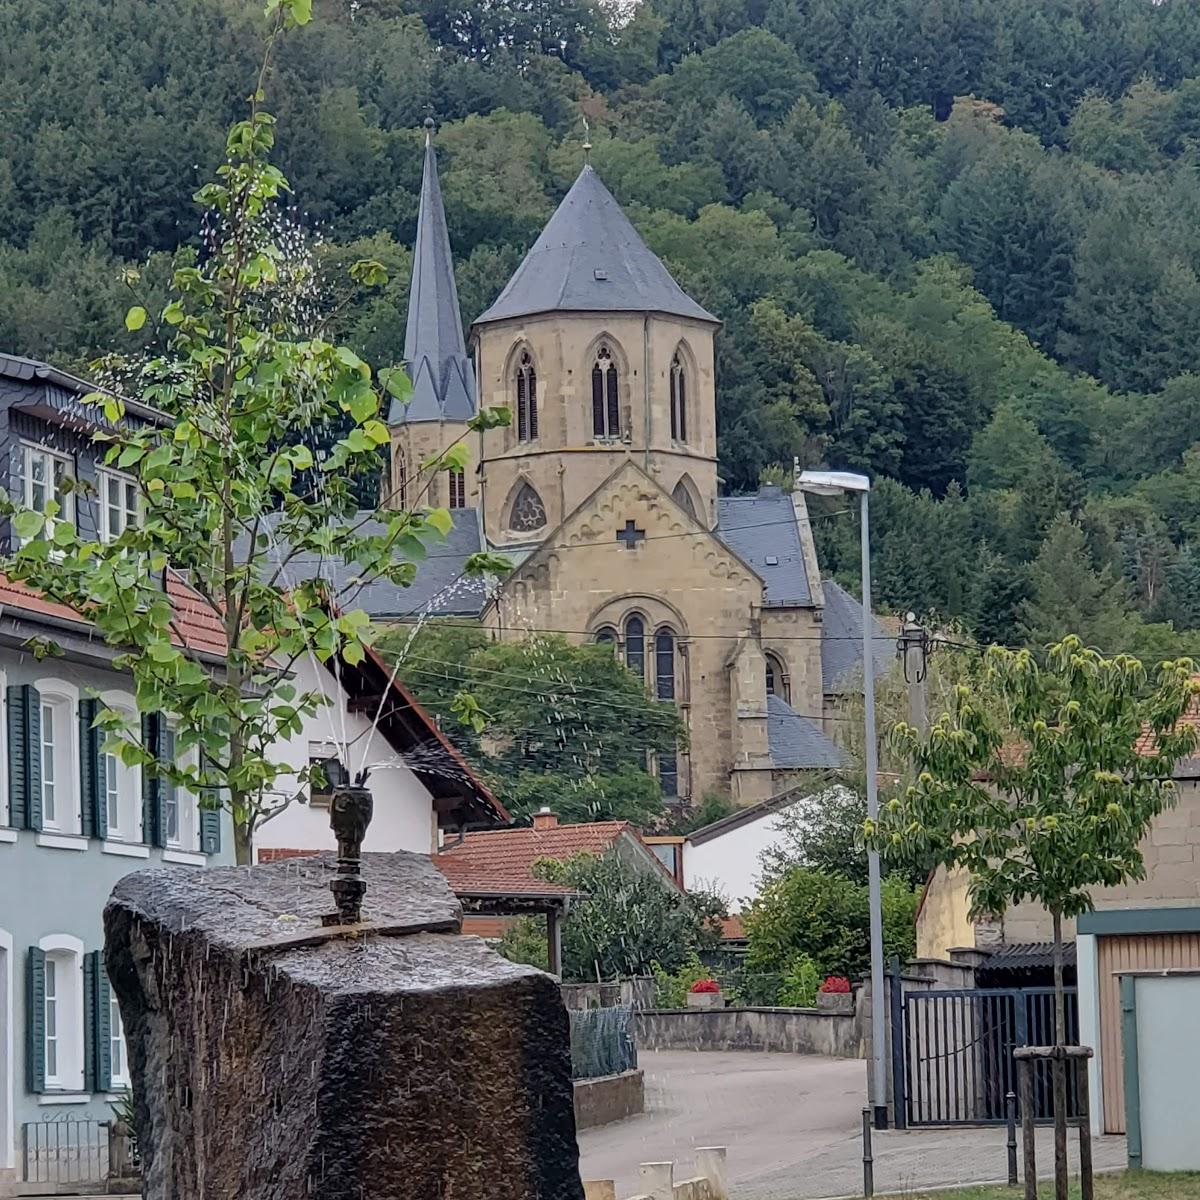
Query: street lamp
[[835, 483]]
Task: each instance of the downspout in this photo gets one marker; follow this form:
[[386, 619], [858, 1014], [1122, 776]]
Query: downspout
[[482, 469], [646, 385]]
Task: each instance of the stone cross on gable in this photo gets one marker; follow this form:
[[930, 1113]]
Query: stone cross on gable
[[630, 535]]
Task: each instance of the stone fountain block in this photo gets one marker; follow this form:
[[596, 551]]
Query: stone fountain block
[[274, 1059]]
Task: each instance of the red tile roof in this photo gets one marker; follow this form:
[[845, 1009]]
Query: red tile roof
[[197, 626], [732, 928]]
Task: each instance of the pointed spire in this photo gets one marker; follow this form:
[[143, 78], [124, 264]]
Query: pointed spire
[[434, 350], [587, 143]]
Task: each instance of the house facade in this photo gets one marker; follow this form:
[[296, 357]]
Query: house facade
[[73, 819]]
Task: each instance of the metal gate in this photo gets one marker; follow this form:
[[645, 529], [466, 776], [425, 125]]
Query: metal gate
[[955, 1058]]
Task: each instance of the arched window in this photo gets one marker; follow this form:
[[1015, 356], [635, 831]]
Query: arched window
[[527, 414], [683, 498], [606, 408], [777, 680], [528, 511], [678, 399], [458, 489], [402, 482], [606, 635], [635, 646], [664, 664]]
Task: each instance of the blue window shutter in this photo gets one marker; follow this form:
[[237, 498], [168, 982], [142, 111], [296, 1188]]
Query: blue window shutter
[[35, 1020], [90, 966], [152, 824], [210, 828], [94, 812], [100, 1012], [25, 755]]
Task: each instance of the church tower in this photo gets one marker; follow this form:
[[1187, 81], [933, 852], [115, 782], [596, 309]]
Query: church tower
[[443, 379], [602, 359]]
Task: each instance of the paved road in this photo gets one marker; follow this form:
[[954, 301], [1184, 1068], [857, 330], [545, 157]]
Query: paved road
[[792, 1125]]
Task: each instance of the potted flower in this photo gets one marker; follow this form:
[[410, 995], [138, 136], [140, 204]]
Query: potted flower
[[835, 995], [705, 993]]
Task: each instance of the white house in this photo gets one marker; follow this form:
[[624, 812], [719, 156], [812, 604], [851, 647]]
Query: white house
[[419, 781]]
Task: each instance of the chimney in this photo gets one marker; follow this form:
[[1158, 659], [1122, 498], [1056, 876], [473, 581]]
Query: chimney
[[544, 819]]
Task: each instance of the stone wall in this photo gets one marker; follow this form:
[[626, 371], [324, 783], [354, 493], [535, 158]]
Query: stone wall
[[609, 1098], [791, 1030], [625, 993]]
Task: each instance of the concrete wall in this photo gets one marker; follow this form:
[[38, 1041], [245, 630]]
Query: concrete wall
[[404, 817], [627, 993], [609, 1098], [791, 1030], [1171, 851], [59, 888]]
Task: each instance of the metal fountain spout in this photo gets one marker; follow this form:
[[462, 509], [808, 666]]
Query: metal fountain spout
[[350, 811]]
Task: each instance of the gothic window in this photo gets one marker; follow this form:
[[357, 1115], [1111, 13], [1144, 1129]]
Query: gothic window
[[527, 413], [683, 498], [777, 680], [528, 511], [606, 409], [635, 646], [458, 489], [678, 400], [606, 635], [402, 482], [668, 774], [664, 664]]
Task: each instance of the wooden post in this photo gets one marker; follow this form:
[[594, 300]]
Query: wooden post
[[1025, 1078], [1010, 1113], [1059, 1069], [554, 942], [1086, 1183]]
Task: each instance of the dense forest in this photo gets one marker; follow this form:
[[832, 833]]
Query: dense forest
[[954, 243]]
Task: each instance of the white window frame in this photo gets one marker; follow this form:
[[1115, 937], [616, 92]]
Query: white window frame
[[5, 810], [187, 810], [31, 451], [128, 827], [117, 1049], [66, 953], [105, 508], [63, 700]]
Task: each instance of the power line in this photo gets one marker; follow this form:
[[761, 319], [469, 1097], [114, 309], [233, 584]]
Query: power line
[[688, 637]]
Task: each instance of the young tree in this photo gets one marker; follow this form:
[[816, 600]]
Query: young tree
[[1042, 781], [231, 495]]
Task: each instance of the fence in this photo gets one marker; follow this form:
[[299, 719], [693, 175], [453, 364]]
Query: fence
[[64, 1150], [602, 1042]]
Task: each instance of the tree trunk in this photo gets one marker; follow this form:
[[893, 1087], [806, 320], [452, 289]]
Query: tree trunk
[[1059, 1066], [242, 843]]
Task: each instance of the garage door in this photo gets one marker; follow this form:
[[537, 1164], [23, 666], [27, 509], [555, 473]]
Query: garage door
[[1141, 952]]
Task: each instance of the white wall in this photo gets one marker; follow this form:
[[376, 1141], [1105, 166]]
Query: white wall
[[1168, 1050], [403, 818], [730, 863]]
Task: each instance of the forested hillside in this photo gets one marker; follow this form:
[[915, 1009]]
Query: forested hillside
[[954, 243]]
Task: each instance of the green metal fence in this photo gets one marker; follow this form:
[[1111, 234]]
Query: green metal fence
[[602, 1042]]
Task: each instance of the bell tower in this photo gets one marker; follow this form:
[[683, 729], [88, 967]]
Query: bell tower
[[602, 358], [435, 356]]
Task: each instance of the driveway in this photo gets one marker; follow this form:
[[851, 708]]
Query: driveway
[[792, 1125]]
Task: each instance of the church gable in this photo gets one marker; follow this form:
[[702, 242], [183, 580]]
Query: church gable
[[628, 537]]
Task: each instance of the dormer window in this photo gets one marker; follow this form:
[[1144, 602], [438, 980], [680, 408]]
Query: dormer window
[[43, 477], [606, 408]]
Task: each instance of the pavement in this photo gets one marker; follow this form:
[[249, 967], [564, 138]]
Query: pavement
[[792, 1126]]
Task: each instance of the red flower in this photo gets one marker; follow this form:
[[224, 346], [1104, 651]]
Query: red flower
[[706, 985], [837, 985]]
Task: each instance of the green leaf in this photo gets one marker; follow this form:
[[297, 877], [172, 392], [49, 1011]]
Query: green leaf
[[440, 519], [28, 524], [364, 404], [353, 653], [135, 318], [301, 11]]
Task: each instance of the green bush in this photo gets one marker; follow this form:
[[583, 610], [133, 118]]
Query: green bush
[[671, 987], [800, 983]]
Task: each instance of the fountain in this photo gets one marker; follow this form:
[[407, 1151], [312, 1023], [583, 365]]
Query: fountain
[[279, 1051]]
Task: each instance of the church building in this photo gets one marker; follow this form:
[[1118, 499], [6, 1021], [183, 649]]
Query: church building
[[604, 492]]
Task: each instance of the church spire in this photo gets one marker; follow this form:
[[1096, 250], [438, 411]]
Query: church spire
[[434, 350]]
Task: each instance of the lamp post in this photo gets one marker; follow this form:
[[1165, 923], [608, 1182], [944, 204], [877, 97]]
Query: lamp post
[[835, 483]]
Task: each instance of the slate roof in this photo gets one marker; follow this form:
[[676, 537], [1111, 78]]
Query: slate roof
[[589, 258], [434, 351], [440, 589], [763, 527], [841, 642], [795, 742], [30, 370]]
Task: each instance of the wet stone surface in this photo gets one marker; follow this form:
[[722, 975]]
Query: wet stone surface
[[398, 1065]]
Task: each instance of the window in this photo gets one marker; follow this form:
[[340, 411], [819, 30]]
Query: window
[[528, 511], [777, 680], [606, 635], [458, 489], [117, 1056], [606, 410], [53, 733], [172, 826], [678, 400], [668, 774], [52, 1020], [527, 413], [120, 504], [664, 664], [57, 1040], [635, 646], [43, 477], [683, 498], [402, 482]]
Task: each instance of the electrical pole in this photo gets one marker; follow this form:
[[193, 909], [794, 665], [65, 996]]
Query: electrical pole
[[914, 648]]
